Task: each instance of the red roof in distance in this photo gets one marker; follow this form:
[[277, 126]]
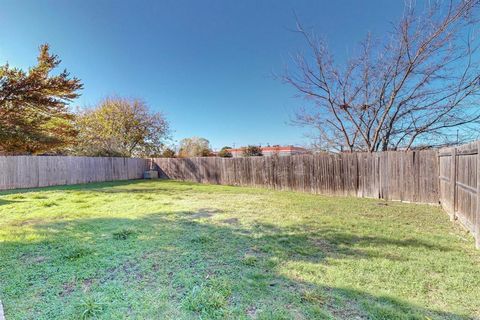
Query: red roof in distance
[[273, 149]]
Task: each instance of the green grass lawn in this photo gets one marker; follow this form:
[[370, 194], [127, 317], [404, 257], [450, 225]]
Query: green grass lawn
[[172, 250]]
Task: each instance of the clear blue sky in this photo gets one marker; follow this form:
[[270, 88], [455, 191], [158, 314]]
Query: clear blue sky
[[206, 64]]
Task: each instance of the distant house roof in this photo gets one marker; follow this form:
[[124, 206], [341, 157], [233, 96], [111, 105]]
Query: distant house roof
[[273, 149]]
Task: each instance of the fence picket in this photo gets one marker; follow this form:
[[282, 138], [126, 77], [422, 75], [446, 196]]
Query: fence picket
[[404, 176], [450, 176], [477, 211], [32, 171]]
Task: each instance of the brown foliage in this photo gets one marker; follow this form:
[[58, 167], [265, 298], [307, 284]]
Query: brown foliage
[[121, 127], [194, 147], [34, 115], [252, 151]]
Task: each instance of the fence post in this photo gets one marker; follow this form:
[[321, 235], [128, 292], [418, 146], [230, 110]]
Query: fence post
[[453, 182], [477, 211]]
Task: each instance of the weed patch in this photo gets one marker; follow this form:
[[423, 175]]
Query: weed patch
[[124, 234], [201, 239], [208, 300], [48, 203], [74, 252], [90, 308]]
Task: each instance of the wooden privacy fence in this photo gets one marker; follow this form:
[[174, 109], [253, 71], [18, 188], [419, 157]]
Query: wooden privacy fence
[[405, 176], [32, 171], [460, 185], [450, 176]]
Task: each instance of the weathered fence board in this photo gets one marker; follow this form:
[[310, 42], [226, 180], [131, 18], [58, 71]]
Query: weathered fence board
[[31, 171], [450, 176], [460, 185], [406, 176]]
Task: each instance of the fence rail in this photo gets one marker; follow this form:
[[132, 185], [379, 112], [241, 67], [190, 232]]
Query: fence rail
[[405, 176], [31, 171]]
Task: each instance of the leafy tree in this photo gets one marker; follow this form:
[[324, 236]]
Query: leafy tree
[[225, 152], [121, 127], [168, 153], [195, 147], [207, 152], [34, 114], [252, 151]]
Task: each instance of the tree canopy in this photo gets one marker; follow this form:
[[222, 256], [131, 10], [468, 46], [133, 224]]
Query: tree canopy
[[194, 147], [252, 151], [121, 127], [168, 153], [225, 152], [34, 113]]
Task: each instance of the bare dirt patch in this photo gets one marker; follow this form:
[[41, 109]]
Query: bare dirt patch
[[230, 221], [251, 312], [204, 213], [67, 289]]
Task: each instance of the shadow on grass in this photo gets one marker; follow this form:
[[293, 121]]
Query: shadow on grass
[[190, 256], [337, 241], [77, 187], [106, 187], [5, 202]]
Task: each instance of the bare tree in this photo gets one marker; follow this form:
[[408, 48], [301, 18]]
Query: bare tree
[[411, 88]]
